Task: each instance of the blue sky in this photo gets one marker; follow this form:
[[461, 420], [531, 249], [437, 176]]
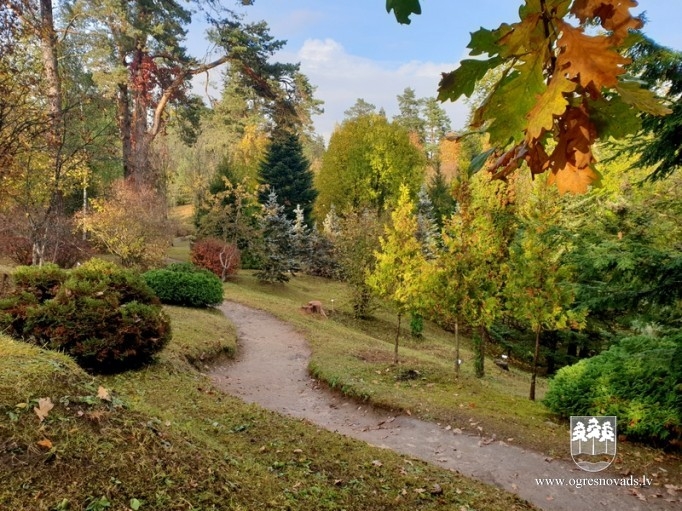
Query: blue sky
[[353, 49]]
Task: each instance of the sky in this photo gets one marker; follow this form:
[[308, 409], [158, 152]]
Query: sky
[[352, 49]]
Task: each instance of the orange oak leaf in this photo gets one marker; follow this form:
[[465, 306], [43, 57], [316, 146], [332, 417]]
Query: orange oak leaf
[[614, 16], [572, 179], [590, 59], [43, 409], [47, 444]]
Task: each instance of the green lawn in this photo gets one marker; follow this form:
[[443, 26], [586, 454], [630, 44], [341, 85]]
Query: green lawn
[[163, 438], [356, 357]]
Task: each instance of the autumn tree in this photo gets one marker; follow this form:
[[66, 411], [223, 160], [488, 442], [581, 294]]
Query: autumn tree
[[562, 86], [399, 264], [540, 289], [474, 260], [367, 160], [130, 224], [231, 213], [356, 242]]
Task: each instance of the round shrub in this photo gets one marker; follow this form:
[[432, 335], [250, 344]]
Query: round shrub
[[185, 284], [105, 317], [223, 259], [639, 380]]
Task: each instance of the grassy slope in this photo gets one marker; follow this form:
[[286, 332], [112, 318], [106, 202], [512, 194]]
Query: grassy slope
[[170, 441], [356, 357]]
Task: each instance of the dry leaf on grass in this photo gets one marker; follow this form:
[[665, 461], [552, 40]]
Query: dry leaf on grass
[[43, 409], [103, 394]]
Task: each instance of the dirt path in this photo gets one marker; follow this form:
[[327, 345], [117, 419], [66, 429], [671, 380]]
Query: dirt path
[[271, 370]]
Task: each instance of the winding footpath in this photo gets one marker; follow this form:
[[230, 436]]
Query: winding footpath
[[271, 371]]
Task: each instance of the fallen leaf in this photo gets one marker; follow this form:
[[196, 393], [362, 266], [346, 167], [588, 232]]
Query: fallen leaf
[[377, 463], [45, 443], [43, 409], [103, 394]]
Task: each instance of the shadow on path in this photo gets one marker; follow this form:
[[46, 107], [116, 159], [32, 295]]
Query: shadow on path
[[271, 371]]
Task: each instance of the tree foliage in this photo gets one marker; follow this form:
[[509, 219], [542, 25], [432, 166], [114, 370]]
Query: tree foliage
[[562, 87], [539, 291], [130, 224], [397, 273], [286, 171], [367, 160]]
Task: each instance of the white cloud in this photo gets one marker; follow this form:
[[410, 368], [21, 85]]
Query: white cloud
[[341, 78]]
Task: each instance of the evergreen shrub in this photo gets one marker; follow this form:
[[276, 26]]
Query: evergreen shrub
[[185, 284], [639, 380], [222, 259], [105, 317]]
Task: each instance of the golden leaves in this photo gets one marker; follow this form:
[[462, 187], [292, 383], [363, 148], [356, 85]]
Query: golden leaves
[[572, 159], [589, 59], [614, 16], [550, 104]]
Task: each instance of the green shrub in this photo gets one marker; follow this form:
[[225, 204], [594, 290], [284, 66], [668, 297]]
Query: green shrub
[[105, 317], [185, 284], [639, 380]]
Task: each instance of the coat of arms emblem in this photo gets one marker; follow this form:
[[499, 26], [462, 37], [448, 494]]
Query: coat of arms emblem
[[593, 441]]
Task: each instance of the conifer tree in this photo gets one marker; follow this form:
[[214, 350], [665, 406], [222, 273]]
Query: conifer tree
[[539, 291], [287, 171], [278, 261]]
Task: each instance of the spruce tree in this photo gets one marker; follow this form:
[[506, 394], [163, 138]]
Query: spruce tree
[[278, 261], [286, 171]]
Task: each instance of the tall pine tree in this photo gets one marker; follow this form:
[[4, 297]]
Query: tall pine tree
[[287, 172]]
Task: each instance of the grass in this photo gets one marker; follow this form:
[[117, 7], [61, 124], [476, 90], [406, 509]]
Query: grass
[[163, 438], [356, 357]]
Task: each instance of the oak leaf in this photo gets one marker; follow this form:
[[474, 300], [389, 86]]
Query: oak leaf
[[46, 443], [590, 59], [632, 93], [571, 179], [103, 394], [550, 104], [614, 16], [43, 409]]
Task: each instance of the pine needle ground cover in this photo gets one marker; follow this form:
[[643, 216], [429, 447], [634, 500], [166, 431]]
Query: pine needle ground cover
[[162, 438], [355, 357]]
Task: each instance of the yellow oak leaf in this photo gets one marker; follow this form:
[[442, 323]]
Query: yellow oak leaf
[[43, 409], [550, 104], [590, 59]]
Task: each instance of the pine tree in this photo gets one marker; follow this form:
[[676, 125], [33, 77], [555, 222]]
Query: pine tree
[[278, 261], [287, 171]]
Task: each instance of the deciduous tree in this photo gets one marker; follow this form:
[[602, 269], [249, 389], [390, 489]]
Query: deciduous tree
[[397, 273]]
